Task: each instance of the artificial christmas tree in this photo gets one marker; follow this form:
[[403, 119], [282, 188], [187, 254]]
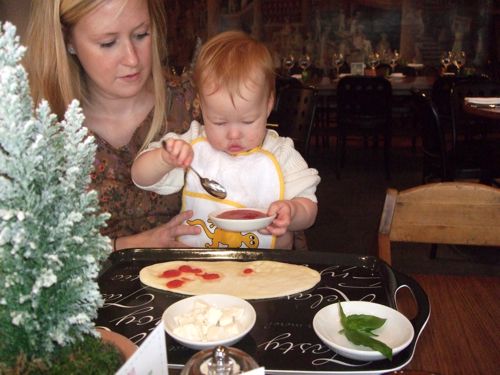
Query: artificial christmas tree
[[50, 242]]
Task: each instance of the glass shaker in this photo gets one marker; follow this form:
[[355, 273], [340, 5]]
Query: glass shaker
[[219, 361]]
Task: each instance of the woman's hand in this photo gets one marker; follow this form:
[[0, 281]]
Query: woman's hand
[[163, 236]]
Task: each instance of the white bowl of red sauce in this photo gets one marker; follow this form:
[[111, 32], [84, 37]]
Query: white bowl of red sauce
[[241, 219]]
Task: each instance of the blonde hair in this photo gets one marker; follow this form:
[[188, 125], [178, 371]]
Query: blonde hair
[[58, 77], [231, 58]]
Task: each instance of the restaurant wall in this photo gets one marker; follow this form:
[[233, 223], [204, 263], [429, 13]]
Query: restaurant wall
[[420, 29]]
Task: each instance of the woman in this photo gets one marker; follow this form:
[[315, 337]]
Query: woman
[[110, 55]]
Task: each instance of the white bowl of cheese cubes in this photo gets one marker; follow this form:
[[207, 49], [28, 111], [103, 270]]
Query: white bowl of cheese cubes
[[208, 320]]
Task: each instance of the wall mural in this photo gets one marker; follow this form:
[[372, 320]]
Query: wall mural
[[420, 31]]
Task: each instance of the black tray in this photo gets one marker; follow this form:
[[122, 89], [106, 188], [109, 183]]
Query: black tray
[[282, 339]]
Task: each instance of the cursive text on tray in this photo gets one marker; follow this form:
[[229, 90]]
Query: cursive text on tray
[[320, 354]]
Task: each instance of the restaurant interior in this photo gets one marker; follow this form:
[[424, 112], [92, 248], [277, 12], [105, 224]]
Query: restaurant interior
[[420, 30], [412, 44], [420, 33]]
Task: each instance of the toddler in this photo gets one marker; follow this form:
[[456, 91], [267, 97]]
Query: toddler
[[234, 77]]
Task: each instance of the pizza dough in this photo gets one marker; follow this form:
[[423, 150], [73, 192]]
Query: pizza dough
[[248, 280]]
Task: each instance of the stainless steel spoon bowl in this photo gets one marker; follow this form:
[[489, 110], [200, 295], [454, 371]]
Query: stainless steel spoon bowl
[[212, 187]]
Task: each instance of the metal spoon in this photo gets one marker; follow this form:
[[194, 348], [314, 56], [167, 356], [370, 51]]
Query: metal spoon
[[212, 187]]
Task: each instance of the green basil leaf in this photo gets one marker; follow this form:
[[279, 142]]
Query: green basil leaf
[[358, 330], [364, 322], [342, 315], [361, 338]]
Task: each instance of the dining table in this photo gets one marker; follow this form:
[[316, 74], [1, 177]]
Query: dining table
[[455, 318], [489, 112], [482, 117], [401, 85]]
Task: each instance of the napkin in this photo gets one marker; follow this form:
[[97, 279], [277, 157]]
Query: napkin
[[150, 357]]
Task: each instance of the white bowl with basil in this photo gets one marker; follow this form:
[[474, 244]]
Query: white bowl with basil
[[396, 332]]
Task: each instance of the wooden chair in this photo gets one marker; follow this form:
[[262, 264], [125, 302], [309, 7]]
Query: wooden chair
[[458, 213]]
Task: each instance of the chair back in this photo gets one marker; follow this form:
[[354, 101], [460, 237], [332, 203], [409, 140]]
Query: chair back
[[281, 83], [441, 97], [364, 107], [296, 111], [434, 148], [364, 99], [460, 213]]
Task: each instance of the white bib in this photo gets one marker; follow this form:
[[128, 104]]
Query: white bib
[[252, 179]]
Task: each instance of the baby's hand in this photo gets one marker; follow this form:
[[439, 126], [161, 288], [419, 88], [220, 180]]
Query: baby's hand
[[177, 152], [280, 224]]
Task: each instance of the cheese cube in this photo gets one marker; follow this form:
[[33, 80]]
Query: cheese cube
[[188, 331], [215, 333], [213, 315]]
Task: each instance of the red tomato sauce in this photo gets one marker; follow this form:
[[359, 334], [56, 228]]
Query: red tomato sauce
[[175, 284], [171, 273], [241, 215], [179, 281], [210, 276], [189, 269]]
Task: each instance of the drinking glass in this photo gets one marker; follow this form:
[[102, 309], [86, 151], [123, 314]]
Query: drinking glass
[[304, 61], [459, 59], [338, 61], [373, 60], [393, 61], [289, 62], [446, 60]]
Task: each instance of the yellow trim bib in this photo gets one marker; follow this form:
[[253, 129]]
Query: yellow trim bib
[[252, 179]]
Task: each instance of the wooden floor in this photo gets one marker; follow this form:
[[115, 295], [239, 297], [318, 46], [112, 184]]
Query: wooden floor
[[350, 209]]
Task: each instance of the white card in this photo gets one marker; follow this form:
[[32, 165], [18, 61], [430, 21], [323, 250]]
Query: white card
[[150, 358]]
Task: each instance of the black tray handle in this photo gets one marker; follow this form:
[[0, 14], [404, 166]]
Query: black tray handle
[[423, 304]]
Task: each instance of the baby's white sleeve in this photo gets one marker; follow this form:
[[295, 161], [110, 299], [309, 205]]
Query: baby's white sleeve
[[173, 181], [300, 180]]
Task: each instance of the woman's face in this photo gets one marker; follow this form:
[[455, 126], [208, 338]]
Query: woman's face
[[113, 44]]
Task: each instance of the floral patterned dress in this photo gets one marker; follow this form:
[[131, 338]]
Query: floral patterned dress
[[134, 210]]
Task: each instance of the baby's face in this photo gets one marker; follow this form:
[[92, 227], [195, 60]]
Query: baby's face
[[238, 127]]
